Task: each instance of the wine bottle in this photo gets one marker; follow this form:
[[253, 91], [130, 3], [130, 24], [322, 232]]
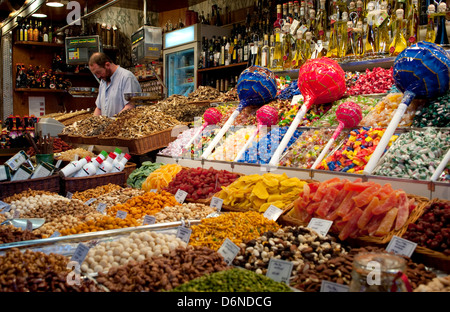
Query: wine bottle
[[298, 58], [441, 33], [370, 42], [383, 38], [333, 47], [359, 40], [287, 47], [265, 51], [342, 35], [399, 42], [306, 46], [350, 44], [413, 24], [431, 32], [277, 61]]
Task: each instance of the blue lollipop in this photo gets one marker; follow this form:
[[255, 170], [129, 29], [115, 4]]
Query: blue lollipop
[[420, 71], [256, 86]]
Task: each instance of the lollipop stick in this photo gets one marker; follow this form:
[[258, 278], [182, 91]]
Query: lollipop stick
[[188, 145], [221, 133], [247, 144], [328, 146], [287, 137], [441, 167], [379, 150]]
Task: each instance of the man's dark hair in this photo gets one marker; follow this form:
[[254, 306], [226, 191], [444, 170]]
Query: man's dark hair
[[100, 59]]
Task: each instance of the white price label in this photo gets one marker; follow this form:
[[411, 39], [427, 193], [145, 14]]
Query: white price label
[[29, 226], [328, 286], [16, 214], [90, 201], [273, 212], [279, 270], [229, 250], [217, 203], [153, 190], [55, 234], [401, 246], [295, 99], [90, 148], [58, 163], [101, 207], [121, 214], [184, 234], [321, 226], [80, 253], [69, 195], [180, 196], [149, 220]]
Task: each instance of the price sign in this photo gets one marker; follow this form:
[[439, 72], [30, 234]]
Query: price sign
[[328, 286], [217, 203], [296, 99], [184, 234], [153, 190], [69, 195], [80, 253], [273, 212], [149, 220], [16, 214], [90, 201], [321, 226], [279, 270], [401, 246], [228, 250], [29, 226], [180, 196], [121, 214], [55, 234], [101, 207]]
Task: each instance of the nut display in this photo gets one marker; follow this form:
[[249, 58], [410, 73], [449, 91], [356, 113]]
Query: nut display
[[25, 204], [437, 284], [119, 196], [187, 211], [163, 272], [26, 193], [100, 223], [136, 246], [96, 192], [11, 234]]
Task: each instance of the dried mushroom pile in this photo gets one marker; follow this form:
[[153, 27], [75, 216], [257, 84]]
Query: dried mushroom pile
[[179, 108], [138, 122], [204, 93], [90, 126], [69, 118]]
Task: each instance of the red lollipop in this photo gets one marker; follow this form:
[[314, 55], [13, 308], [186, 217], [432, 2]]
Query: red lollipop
[[319, 81], [349, 115], [211, 117]]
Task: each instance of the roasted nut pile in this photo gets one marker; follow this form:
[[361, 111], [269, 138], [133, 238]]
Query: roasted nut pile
[[100, 222], [136, 246], [61, 223], [298, 245], [38, 272], [338, 270], [187, 211], [69, 155], [25, 204], [163, 273], [26, 193], [437, 284], [96, 192], [11, 234], [119, 196]]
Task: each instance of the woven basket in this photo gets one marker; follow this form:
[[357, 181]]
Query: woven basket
[[75, 139], [147, 143], [63, 136], [369, 240], [50, 184], [106, 141], [90, 140], [83, 183]]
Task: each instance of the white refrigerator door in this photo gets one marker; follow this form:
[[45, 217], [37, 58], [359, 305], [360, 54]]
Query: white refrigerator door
[[180, 69]]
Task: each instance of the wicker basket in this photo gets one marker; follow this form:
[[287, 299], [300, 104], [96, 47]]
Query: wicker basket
[[369, 240], [90, 140], [147, 143], [106, 141], [50, 184], [75, 139], [83, 183], [63, 137]]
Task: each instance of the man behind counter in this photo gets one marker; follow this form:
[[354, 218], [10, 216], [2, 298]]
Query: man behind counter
[[115, 82]]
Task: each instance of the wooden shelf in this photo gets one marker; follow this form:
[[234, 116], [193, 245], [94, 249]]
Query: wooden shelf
[[42, 44], [222, 67], [40, 90]]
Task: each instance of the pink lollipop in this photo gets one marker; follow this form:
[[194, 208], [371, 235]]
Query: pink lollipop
[[266, 116], [211, 117], [349, 115]]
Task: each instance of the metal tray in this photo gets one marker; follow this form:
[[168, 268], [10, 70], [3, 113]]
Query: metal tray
[[83, 91]]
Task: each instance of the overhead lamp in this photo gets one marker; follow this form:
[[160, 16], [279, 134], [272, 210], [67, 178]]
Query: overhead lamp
[[39, 15], [54, 4]]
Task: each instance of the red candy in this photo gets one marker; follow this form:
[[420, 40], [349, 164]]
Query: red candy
[[378, 80]]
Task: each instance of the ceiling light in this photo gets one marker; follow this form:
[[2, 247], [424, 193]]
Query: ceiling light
[[54, 4], [39, 15]]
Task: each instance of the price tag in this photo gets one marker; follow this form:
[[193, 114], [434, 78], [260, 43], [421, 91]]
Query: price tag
[[58, 163], [69, 195], [321, 226], [76, 157], [228, 250], [273, 212], [5, 209], [149, 220], [328, 286], [294, 26], [80, 253], [121, 214], [55, 234], [16, 214], [303, 29], [180, 196], [279, 270], [29, 226], [295, 99], [217, 203], [184, 234], [153, 190], [90, 201], [101, 207], [401, 246], [90, 148]]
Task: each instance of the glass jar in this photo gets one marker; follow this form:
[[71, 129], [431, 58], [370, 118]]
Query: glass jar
[[379, 272]]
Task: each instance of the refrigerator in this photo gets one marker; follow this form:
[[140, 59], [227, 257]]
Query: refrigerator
[[181, 53]]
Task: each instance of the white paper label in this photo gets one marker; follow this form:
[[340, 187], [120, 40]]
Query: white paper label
[[328, 286], [229, 250], [90, 201], [90, 148], [5, 209], [29, 226], [55, 234], [273, 212], [294, 26], [321, 226], [401, 246], [149, 220], [58, 163], [303, 29], [101, 207], [184, 234], [180, 196], [80, 253], [153, 190], [217, 203], [69, 195], [121, 214], [279, 270], [295, 99], [16, 214]]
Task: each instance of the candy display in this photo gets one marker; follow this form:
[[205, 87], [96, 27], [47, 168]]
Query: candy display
[[356, 208], [211, 117], [305, 150], [320, 81], [377, 80], [356, 151], [290, 91], [435, 114], [314, 114], [415, 155], [247, 117], [261, 152], [258, 192], [232, 144]]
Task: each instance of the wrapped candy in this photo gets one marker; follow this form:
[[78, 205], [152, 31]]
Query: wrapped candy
[[232, 144], [211, 117]]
